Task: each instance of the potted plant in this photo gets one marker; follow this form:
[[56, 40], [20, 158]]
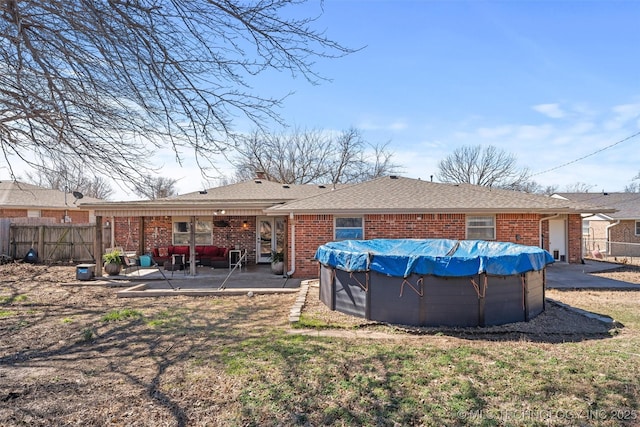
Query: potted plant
[[277, 262], [112, 262]]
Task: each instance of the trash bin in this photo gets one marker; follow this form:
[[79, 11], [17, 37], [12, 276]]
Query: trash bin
[[85, 271]]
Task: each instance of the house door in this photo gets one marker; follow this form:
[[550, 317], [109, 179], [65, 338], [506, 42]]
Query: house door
[[270, 237], [558, 239]]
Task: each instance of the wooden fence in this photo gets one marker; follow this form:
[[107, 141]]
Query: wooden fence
[[55, 243]]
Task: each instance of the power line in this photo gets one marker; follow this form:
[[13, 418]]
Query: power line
[[588, 155]]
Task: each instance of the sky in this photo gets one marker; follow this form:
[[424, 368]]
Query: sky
[[555, 83]]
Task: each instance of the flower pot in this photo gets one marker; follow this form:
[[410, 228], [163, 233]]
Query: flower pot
[[112, 269], [277, 267]]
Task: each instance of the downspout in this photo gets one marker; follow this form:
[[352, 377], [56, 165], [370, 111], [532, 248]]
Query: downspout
[[608, 237], [546, 218], [293, 246]]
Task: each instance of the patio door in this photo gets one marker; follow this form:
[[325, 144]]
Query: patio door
[[270, 236]]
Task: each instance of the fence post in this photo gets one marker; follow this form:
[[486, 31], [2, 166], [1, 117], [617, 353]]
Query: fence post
[[41, 253], [97, 247]]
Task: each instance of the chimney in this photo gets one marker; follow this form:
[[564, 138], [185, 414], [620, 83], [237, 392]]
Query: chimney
[[261, 175]]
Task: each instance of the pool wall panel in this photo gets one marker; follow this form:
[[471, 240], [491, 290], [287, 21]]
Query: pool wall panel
[[327, 284], [451, 301], [535, 293], [394, 301], [434, 301], [504, 300], [350, 296]]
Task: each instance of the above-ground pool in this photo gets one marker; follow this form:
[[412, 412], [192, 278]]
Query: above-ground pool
[[435, 282]]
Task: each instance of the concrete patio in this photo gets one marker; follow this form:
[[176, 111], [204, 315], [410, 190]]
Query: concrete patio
[[154, 281], [565, 276]]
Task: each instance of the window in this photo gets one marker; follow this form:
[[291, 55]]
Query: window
[[637, 228], [586, 230], [182, 231], [481, 227], [348, 228]]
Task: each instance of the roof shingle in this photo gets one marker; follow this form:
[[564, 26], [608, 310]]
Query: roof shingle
[[398, 194]]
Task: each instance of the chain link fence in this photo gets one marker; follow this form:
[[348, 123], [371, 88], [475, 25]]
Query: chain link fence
[[604, 250]]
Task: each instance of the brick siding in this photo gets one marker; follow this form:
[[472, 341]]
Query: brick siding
[[312, 231], [158, 232], [315, 230]]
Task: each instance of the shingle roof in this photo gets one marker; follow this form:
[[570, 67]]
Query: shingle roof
[[256, 193], [398, 194], [627, 204], [256, 190], [15, 194]]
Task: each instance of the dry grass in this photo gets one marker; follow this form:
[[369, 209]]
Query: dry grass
[[77, 355]]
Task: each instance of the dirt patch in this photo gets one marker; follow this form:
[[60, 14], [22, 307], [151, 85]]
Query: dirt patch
[[558, 323], [63, 363]]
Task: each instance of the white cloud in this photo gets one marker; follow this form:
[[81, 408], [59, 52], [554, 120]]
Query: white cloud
[[529, 132], [550, 110], [622, 115]]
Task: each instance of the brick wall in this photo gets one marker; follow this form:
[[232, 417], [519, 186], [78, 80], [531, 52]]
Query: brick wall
[[126, 233], [13, 213], [311, 231], [77, 216], [315, 230], [574, 232], [158, 232], [523, 229], [414, 226]]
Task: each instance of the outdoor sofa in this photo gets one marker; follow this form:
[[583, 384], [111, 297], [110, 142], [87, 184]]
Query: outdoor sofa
[[211, 256]]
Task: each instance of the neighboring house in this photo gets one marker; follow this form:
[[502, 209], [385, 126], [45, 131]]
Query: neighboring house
[[259, 216], [612, 234], [27, 203]]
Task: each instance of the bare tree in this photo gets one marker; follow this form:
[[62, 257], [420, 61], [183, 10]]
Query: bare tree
[[634, 185], [578, 187], [105, 84], [488, 166], [68, 178], [157, 187], [549, 190], [304, 156]]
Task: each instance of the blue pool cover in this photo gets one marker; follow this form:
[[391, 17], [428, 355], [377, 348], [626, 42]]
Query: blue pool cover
[[437, 257]]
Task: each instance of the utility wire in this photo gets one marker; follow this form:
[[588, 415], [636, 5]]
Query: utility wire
[[588, 155]]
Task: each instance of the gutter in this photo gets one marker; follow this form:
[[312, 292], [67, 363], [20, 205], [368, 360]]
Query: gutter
[[608, 238]]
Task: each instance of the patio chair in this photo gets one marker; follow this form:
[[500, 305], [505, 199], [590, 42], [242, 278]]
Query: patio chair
[[129, 263]]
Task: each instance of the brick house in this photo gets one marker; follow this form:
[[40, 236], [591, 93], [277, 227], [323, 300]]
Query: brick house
[[259, 216], [22, 203], [616, 233]]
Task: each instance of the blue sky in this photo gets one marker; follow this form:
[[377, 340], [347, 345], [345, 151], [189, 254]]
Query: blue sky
[[548, 81]]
